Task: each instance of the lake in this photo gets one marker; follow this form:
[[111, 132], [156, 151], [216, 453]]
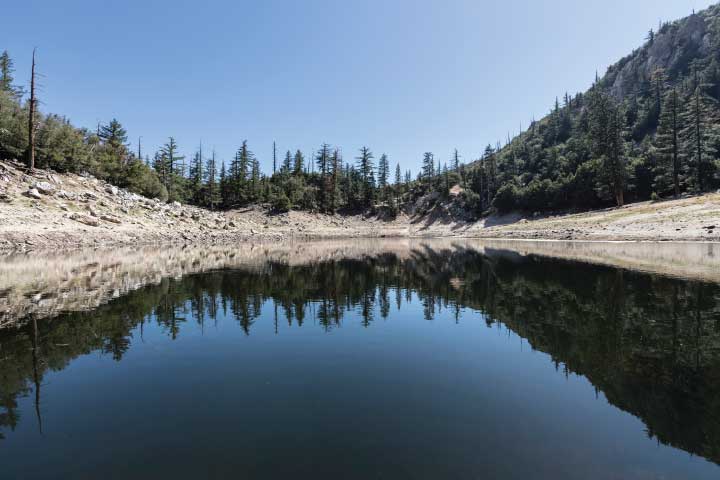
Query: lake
[[362, 359]]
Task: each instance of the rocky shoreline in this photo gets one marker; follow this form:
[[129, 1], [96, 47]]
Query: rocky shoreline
[[46, 210]]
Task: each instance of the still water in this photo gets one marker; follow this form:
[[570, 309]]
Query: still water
[[422, 362]]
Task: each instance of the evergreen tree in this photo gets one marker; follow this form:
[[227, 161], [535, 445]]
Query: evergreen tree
[[398, 175], [114, 135], [490, 171], [6, 76], [700, 131], [383, 171], [274, 158], [299, 162], [428, 168], [668, 168], [287, 165], [456, 161], [212, 190], [196, 178], [174, 170], [322, 159], [605, 131], [332, 180], [367, 175], [255, 180]]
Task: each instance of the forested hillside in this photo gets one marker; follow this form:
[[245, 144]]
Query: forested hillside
[[649, 128]]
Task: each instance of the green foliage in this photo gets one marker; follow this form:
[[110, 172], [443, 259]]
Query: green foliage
[[281, 203], [506, 198]]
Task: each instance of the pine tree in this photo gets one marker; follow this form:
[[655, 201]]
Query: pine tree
[[398, 175], [299, 163], [224, 187], [6, 76], [274, 158], [287, 163], [113, 134], [668, 168], [659, 84], [367, 175], [332, 180], [322, 158], [255, 179], [490, 163], [605, 131], [428, 168], [32, 109], [212, 190], [383, 171], [456, 161], [699, 132], [174, 170], [196, 177]]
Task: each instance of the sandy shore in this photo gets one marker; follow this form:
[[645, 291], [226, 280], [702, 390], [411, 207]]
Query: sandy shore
[[47, 210]]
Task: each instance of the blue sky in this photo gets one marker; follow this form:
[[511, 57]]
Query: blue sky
[[401, 76]]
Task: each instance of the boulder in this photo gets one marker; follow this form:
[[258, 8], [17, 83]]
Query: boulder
[[111, 189], [110, 218], [91, 221], [45, 188], [33, 193]]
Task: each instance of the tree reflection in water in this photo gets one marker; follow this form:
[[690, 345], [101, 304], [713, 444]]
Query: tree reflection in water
[[650, 343]]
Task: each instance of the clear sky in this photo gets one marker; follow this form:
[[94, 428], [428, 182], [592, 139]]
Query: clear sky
[[401, 76]]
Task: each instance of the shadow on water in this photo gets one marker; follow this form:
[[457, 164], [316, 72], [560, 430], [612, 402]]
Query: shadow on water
[[649, 343]]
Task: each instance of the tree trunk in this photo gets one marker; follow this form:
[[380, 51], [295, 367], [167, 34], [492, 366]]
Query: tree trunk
[[31, 119]]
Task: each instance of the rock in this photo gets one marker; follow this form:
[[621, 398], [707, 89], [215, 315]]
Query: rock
[[63, 207], [5, 198], [45, 188], [66, 195], [110, 218], [111, 189], [175, 204], [195, 216], [84, 219], [33, 193]]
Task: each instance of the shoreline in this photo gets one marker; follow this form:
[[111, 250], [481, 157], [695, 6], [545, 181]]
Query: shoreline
[[44, 284], [51, 211]]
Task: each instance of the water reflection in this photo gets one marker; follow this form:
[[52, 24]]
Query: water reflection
[[649, 343]]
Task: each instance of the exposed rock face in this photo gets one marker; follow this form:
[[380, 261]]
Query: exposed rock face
[[671, 49]]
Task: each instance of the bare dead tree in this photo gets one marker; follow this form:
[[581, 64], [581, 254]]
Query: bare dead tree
[[31, 119]]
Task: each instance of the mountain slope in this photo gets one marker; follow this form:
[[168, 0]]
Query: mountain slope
[[619, 136]]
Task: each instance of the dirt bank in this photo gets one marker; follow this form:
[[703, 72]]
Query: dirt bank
[[47, 210]]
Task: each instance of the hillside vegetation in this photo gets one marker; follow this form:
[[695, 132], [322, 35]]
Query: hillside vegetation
[[649, 128]]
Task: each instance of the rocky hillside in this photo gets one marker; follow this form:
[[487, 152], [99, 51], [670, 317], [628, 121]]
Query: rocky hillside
[[46, 209], [674, 49]]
